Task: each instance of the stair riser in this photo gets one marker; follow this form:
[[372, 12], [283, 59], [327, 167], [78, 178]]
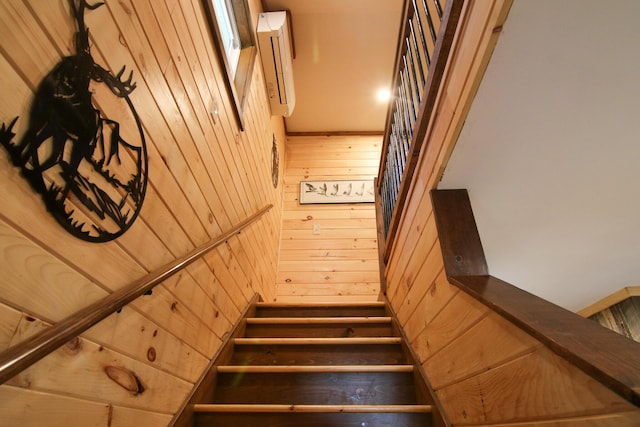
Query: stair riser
[[312, 420], [348, 388], [320, 312], [361, 354], [318, 331]]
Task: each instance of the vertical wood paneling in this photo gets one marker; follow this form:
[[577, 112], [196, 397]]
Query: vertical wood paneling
[[484, 370], [341, 262], [205, 175]]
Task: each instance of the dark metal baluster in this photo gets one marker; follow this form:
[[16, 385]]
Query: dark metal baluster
[[384, 194], [432, 29], [397, 155], [393, 163], [396, 165], [400, 114], [419, 61], [392, 181], [404, 121], [403, 153], [413, 79], [438, 8], [411, 98], [409, 118], [386, 208], [421, 31], [400, 165], [386, 182]]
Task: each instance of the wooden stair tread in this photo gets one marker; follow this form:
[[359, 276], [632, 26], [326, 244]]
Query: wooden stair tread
[[263, 408], [314, 365], [312, 369], [317, 341], [315, 320]]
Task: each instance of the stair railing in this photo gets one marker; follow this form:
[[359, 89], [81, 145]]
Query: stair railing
[[19, 357], [426, 37], [608, 357]]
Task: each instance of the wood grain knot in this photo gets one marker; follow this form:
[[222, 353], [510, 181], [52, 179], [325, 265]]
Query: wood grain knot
[[73, 346], [125, 378], [151, 354]]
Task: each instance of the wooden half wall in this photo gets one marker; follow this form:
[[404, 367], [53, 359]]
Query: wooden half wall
[[484, 370], [340, 263], [205, 175]]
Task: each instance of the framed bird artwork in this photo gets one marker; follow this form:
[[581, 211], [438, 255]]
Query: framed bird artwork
[[347, 191]]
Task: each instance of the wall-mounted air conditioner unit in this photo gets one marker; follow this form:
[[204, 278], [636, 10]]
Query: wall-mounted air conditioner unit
[[275, 50]]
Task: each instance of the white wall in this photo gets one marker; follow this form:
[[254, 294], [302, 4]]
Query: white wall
[[550, 151]]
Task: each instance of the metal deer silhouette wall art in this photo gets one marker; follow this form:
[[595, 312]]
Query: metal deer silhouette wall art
[[83, 148]]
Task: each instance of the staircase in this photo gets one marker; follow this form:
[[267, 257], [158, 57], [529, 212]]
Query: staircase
[[320, 365]]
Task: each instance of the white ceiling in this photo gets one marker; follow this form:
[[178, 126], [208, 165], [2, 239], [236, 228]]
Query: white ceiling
[[345, 51], [550, 151]]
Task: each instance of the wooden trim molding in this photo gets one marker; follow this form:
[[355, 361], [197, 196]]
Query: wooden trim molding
[[338, 133], [609, 358], [237, 84], [610, 300]]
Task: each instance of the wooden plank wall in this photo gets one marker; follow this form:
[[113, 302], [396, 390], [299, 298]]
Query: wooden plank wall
[[135, 367], [485, 371], [623, 318], [340, 263]]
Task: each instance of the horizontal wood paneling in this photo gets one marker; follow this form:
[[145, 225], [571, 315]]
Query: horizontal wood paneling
[[205, 176], [484, 370], [29, 408], [341, 262]]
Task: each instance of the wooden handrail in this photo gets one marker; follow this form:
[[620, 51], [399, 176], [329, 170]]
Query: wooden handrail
[[609, 358], [21, 356]]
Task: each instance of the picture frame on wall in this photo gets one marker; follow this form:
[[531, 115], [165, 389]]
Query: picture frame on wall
[[336, 191]]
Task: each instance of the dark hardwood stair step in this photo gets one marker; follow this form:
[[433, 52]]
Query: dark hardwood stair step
[[368, 309], [323, 388], [266, 408], [293, 327], [315, 320], [314, 368], [313, 419], [312, 415], [318, 351], [334, 364], [318, 341]]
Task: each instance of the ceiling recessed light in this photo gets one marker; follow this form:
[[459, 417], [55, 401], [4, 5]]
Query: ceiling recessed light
[[383, 95]]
